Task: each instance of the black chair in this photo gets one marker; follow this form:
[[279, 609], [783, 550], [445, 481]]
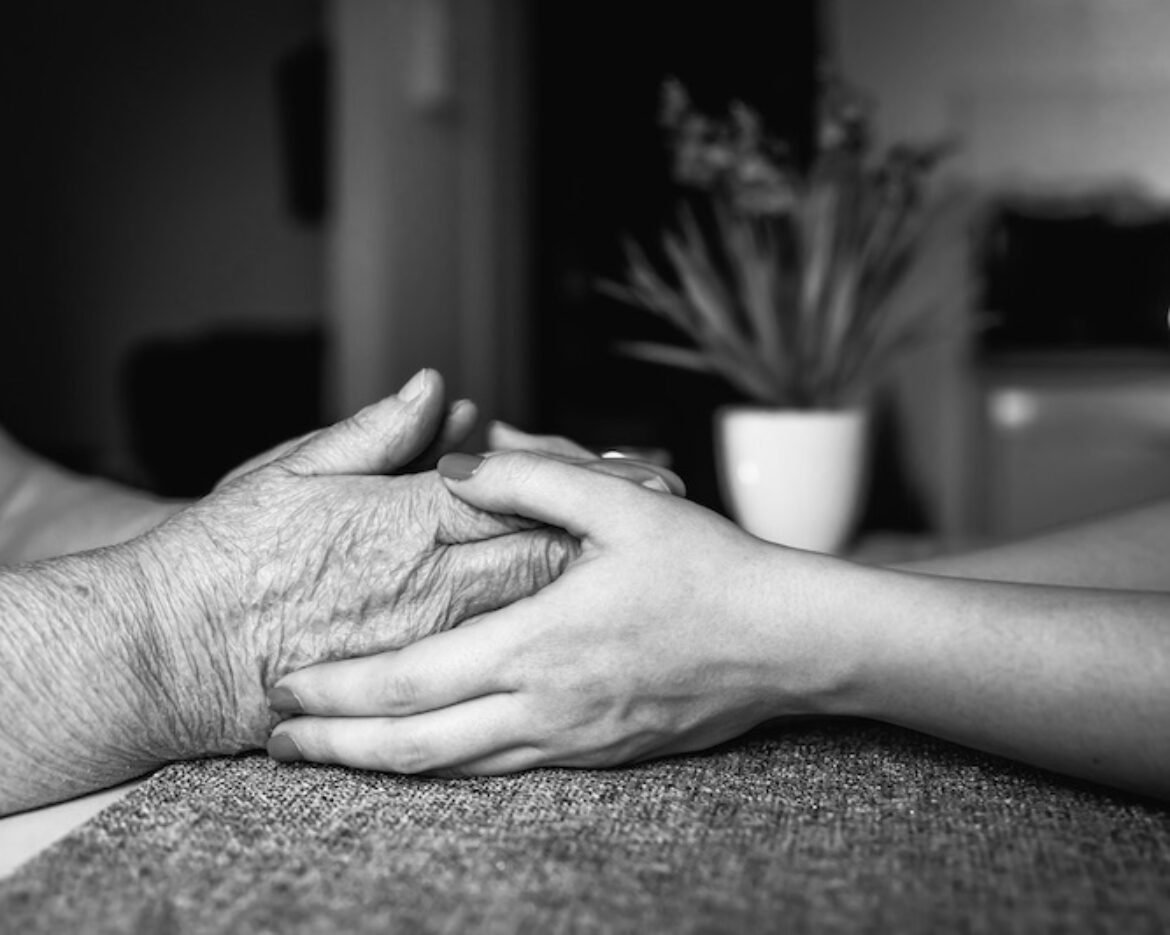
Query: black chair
[[200, 406]]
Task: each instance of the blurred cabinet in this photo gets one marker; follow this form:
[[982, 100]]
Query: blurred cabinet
[[1066, 437]]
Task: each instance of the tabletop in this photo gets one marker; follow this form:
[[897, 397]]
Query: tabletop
[[805, 826]]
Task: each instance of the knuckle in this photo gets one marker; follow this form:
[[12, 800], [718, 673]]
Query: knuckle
[[552, 553], [519, 466], [360, 420], [398, 694], [447, 595], [409, 755], [313, 741]]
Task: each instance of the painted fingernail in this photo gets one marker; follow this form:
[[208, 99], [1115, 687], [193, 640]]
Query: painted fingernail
[[459, 466], [414, 386], [282, 747], [284, 701]]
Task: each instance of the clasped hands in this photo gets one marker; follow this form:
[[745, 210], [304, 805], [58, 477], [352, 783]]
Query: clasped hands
[[339, 601], [634, 624], [321, 550], [626, 655]]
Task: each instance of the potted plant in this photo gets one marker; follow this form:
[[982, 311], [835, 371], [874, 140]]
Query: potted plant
[[786, 281]]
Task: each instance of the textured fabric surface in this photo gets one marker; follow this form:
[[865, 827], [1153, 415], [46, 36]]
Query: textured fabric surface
[[817, 827]]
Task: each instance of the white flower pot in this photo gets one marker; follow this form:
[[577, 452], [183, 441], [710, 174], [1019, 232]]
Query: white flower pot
[[791, 476]]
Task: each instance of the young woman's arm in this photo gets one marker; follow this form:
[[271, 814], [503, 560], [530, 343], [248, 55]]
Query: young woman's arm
[[674, 631]]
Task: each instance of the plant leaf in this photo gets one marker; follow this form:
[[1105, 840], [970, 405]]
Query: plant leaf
[[668, 355], [703, 289], [754, 259]]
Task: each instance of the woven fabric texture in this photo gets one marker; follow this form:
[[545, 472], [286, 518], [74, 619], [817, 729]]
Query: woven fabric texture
[[812, 827]]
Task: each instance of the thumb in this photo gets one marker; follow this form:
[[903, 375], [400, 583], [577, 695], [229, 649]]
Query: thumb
[[586, 503], [380, 438]]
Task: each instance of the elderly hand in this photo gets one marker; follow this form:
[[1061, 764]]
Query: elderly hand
[[119, 659], [317, 555], [655, 640], [456, 426]]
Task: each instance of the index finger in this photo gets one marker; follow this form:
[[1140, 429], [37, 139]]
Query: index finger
[[587, 503], [437, 671]]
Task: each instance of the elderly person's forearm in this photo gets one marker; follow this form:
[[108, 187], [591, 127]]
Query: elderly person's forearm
[[165, 646], [90, 689]]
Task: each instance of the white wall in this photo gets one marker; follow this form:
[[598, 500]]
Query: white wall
[[1052, 91]]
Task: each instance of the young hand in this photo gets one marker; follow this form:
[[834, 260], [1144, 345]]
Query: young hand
[[655, 640]]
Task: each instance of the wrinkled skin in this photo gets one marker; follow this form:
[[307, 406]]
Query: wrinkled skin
[[317, 555]]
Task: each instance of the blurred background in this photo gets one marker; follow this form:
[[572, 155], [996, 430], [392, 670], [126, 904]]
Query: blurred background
[[234, 219]]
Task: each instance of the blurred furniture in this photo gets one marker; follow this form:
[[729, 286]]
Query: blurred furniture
[[1056, 406], [1071, 378], [201, 405], [1076, 271], [1066, 436]]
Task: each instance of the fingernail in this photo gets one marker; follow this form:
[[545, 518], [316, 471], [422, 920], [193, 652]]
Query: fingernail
[[282, 747], [414, 386], [459, 466], [656, 483], [284, 701]]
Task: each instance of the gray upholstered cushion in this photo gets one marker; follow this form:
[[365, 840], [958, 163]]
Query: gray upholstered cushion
[[820, 827]]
